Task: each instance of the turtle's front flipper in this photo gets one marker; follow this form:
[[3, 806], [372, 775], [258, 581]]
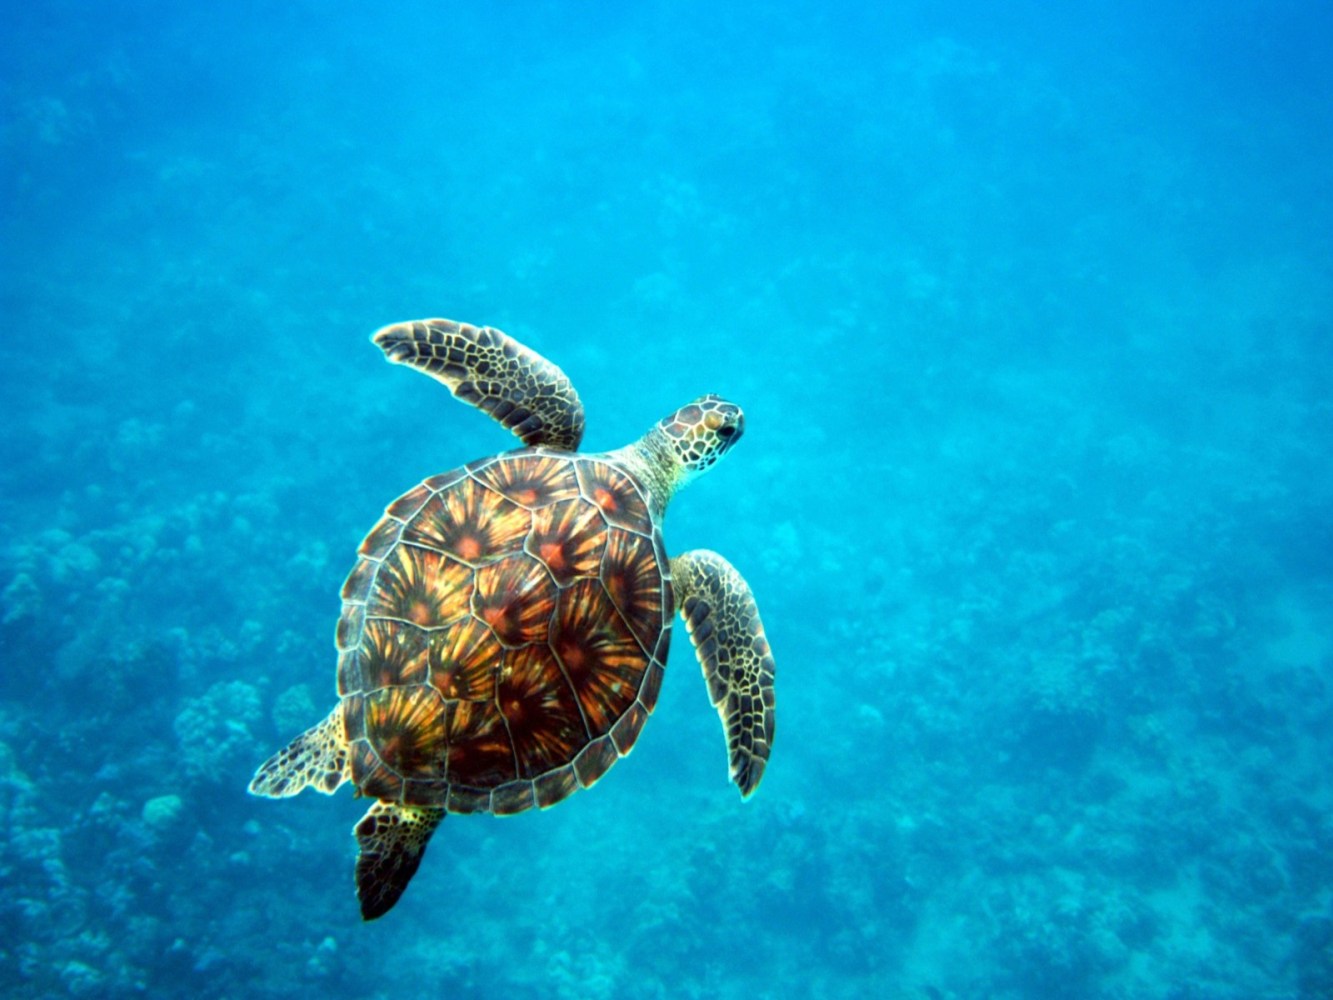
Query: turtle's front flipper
[[495, 373], [393, 840], [723, 622], [316, 759]]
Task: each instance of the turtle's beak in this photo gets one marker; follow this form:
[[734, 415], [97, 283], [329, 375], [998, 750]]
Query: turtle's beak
[[733, 425], [740, 426]]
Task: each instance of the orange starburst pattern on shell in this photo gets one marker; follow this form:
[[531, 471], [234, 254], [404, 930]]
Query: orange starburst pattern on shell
[[463, 660], [405, 725], [568, 537], [419, 586], [633, 579], [480, 753], [603, 661], [515, 598], [615, 494], [541, 711], [531, 480], [392, 653], [470, 522]]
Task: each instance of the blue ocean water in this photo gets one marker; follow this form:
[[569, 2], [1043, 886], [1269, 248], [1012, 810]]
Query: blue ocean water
[[1030, 313]]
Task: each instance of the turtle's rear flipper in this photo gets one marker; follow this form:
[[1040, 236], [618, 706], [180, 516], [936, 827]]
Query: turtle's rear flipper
[[393, 839], [723, 622], [316, 759]]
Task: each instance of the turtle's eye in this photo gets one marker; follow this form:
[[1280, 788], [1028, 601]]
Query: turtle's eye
[[726, 430]]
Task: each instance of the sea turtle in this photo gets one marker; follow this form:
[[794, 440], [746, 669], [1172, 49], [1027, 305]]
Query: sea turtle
[[505, 628]]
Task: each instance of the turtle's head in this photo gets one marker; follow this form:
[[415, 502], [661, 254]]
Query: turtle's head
[[700, 433], [682, 446]]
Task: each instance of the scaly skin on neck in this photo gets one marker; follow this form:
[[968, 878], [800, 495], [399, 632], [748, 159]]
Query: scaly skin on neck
[[652, 461]]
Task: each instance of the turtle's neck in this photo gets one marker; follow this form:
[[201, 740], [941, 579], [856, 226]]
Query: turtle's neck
[[652, 461]]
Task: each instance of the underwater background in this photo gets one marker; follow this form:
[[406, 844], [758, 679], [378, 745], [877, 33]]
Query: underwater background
[[1030, 308]]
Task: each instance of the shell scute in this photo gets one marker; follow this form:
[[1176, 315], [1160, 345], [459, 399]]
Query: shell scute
[[480, 753], [542, 713], [652, 685], [382, 538], [473, 524], [555, 786], [407, 505], [371, 775], [425, 792], [626, 731], [569, 538], [462, 660], [616, 495], [405, 726], [444, 480], [421, 586], [634, 583], [600, 656], [595, 760], [468, 800], [392, 653], [354, 717], [350, 626], [360, 580], [530, 480], [515, 598], [514, 797], [351, 678]]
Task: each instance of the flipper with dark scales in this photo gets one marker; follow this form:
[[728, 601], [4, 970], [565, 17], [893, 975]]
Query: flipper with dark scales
[[316, 759], [495, 373], [393, 840], [723, 622]]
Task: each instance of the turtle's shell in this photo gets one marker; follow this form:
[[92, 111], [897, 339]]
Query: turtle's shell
[[503, 634]]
